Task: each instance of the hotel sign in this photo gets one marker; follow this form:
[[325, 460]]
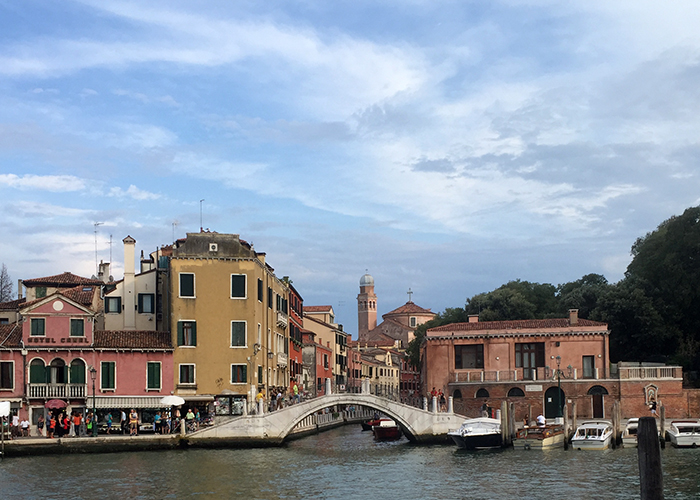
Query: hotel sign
[[533, 388], [62, 340]]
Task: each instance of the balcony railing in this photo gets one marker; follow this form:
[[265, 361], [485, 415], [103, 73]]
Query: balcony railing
[[645, 373], [57, 391], [282, 319], [282, 359]]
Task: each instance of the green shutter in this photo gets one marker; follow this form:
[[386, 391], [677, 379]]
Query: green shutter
[[238, 334], [180, 334], [107, 375], [37, 374], [194, 333], [77, 374], [77, 327], [238, 285], [153, 375], [244, 377]]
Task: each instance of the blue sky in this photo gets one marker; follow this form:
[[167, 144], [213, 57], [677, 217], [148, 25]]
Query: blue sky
[[448, 147]]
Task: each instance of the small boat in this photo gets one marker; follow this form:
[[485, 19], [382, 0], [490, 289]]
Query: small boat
[[367, 425], [629, 435], [541, 437], [685, 433], [478, 434], [593, 435], [386, 430]]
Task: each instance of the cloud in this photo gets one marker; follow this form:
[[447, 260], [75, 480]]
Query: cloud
[[53, 183], [134, 193]]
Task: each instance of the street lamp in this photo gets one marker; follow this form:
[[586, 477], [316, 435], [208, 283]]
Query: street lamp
[[93, 376], [559, 401]]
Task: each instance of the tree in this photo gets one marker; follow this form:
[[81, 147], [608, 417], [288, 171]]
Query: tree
[[5, 285], [582, 294], [450, 315], [515, 300]]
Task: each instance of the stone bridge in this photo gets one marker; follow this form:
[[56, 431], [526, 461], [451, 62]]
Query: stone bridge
[[271, 429]]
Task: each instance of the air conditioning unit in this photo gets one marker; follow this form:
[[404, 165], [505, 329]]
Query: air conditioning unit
[[213, 247]]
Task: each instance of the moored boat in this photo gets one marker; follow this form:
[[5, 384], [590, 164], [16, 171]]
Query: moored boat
[[629, 435], [367, 425], [386, 430], [685, 433], [593, 435], [478, 433], [539, 437]]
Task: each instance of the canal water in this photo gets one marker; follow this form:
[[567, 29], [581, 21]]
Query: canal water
[[345, 463]]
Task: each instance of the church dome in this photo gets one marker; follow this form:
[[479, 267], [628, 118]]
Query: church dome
[[367, 280]]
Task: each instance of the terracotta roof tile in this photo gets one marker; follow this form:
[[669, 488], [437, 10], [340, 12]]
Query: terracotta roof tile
[[12, 304], [315, 309], [62, 280], [409, 308], [132, 339], [523, 324], [80, 294], [10, 335]]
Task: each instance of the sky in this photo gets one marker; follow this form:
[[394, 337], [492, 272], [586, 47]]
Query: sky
[[443, 146]]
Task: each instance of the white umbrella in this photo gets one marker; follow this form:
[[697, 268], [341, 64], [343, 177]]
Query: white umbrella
[[172, 401]]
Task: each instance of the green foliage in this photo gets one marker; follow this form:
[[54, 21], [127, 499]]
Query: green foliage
[[515, 300], [450, 315]]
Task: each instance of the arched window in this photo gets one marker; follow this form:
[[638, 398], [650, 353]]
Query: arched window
[[77, 371], [597, 389], [37, 372], [516, 392], [57, 372], [457, 394], [482, 393]]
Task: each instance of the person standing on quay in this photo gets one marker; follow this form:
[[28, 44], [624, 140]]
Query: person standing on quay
[[40, 426], [122, 422], [108, 418], [133, 423]]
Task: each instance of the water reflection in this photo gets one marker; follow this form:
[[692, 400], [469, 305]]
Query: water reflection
[[346, 463]]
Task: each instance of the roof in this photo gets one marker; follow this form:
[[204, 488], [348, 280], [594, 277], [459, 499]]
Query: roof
[[10, 335], [318, 309], [12, 304], [132, 339], [521, 324], [409, 308], [62, 280], [81, 294]]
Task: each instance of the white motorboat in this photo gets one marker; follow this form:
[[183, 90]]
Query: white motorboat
[[478, 433], [629, 435], [541, 437], [685, 433], [593, 435]]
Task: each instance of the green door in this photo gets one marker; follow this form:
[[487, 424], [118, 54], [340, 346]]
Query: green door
[[551, 401]]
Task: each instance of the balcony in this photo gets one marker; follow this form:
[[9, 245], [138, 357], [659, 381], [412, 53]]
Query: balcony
[[282, 359], [650, 373], [282, 319], [56, 391]]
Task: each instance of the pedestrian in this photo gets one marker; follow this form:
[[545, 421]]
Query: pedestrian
[[279, 399], [122, 422], [25, 427], [40, 426], [90, 423], [296, 393], [652, 407], [109, 422], [14, 430], [541, 421], [443, 402], [189, 420], [156, 423], [75, 424], [133, 423], [83, 425], [51, 428]]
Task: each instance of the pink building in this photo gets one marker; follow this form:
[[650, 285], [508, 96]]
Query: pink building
[[54, 349]]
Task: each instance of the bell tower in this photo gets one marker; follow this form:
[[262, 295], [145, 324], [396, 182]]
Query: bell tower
[[366, 308]]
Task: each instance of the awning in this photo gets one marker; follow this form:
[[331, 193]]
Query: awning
[[198, 398], [113, 402]]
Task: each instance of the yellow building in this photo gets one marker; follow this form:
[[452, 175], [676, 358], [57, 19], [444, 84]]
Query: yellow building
[[229, 320]]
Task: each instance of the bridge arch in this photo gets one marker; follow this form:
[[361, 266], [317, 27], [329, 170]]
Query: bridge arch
[[388, 407]]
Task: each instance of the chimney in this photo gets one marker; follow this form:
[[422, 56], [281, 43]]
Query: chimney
[[573, 317], [103, 273], [19, 289], [473, 318], [129, 285]]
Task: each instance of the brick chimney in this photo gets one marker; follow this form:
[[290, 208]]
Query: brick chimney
[[573, 317], [473, 318]]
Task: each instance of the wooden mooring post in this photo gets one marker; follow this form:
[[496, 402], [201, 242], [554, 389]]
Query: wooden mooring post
[[615, 423], [662, 426], [504, 423], [574, 423], [511, 422], [566, 427], [651, 483]]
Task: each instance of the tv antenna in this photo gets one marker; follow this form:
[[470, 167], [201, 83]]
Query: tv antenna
[[201, 224], [97, 269]]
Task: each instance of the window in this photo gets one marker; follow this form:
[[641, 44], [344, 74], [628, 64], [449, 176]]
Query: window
[[113, 305], [37, 372], [153, 375], [238, 334], [7, 380], [40, 292], [516, 392], [588, 366], [38, 327], [260, 374], [4, 321], [529, 357], [269, 297], [325, 360], [187, 374], [187, 333], [187, 285], [469, 356], [482, 393], [238, 286], [413, 321], [260, 290], [77, 328], [147, 303], [108, 378], [457, 394], [239, 374], [77, 371]]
